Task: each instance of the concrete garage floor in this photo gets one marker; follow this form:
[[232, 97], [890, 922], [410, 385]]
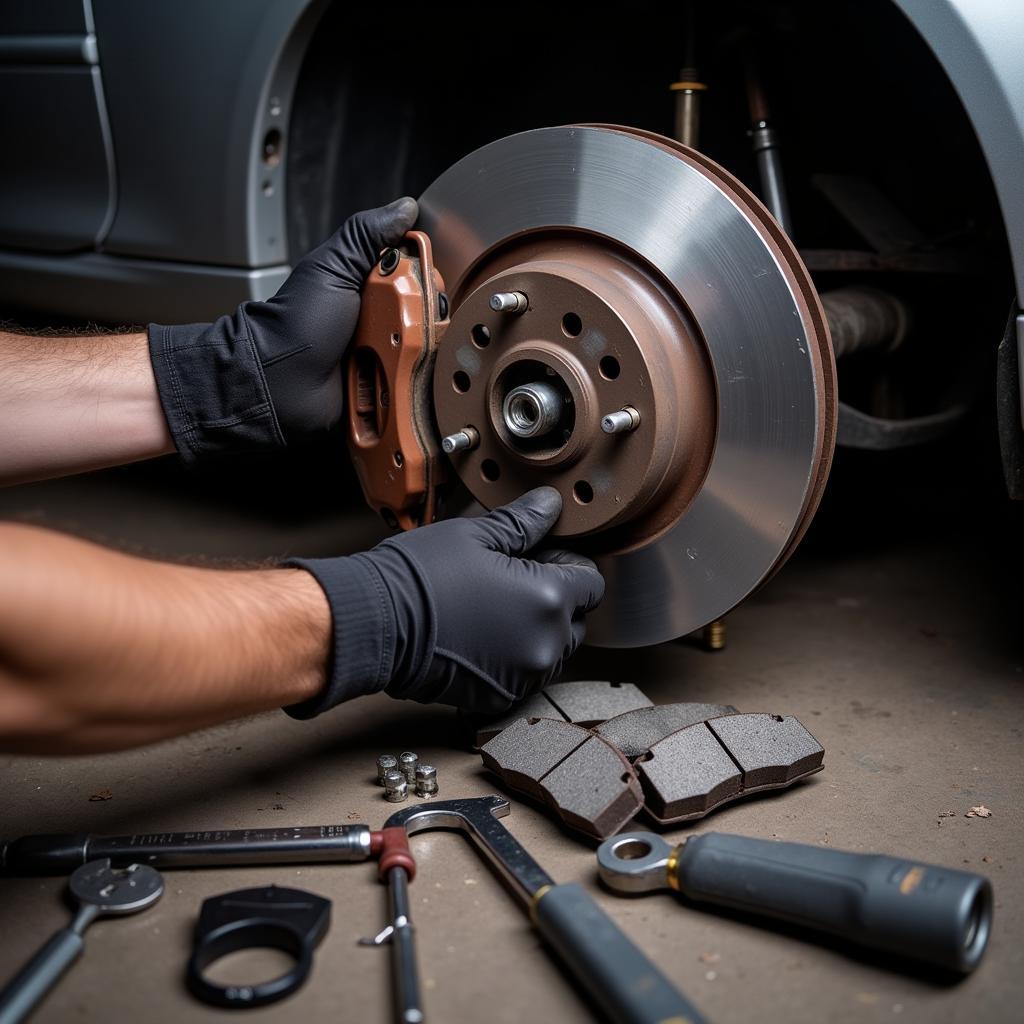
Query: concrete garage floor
[[894, 636]]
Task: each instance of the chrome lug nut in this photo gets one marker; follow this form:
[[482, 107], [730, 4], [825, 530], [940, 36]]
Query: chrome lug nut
[[463, 440], [396, 789], [386, 763], [407, 766], [426, 780], [509, 302], [621, 422]]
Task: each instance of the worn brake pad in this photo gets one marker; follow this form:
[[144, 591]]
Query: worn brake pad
[[635, 732], [582, 702], [581, 776], [588, 702], [692, 771], [524, 752]]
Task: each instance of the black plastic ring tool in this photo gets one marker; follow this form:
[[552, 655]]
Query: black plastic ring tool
[[287, 919]]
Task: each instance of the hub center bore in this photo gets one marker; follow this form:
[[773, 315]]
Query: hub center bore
[[532, 410]]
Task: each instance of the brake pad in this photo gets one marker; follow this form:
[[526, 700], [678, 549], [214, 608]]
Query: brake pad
[[483, 728], [591, 786], [584, 702], [692, 771], [524, 752], [588, 702], [635, 732]]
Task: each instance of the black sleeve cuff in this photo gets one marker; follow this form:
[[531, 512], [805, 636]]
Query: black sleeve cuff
[[363, 642], [212, 388]]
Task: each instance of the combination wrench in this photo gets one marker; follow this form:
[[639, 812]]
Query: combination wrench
[[99, 890]]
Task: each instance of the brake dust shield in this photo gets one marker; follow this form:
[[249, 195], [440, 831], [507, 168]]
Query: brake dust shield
[[663, 361]]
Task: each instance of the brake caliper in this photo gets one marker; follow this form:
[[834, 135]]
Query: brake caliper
[[391, 431]]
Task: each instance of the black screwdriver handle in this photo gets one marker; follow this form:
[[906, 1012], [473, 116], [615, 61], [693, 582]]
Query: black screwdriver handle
[[935, 914]]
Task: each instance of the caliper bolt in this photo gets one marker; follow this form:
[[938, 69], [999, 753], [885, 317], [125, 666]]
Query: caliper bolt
[[389, 260], [396, 787], [713, 635], [386, 763], [621, 422], [407, 765], [509, 302], [426, 780], [463, 440]]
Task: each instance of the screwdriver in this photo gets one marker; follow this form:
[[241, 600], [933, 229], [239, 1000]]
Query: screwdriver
[[933, 914], [305, 844]]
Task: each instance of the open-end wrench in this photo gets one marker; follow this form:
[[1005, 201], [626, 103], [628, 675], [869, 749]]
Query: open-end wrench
[[99, 890], [934, 914], [623, 982]]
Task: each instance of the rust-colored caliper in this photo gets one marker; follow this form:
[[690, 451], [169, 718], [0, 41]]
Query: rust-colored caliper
[[391, 435]]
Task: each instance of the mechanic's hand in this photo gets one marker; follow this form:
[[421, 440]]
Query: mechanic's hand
[[270, 375], [466, 618]]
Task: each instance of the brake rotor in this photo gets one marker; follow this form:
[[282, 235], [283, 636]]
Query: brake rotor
[[655, 283], [663, 361]]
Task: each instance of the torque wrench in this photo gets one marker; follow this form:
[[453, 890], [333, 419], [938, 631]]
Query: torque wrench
[[307, 844]]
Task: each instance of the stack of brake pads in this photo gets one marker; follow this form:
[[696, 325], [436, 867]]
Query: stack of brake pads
[[598, 752]]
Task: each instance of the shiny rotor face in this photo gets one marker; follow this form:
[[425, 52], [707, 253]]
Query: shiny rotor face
[[650, 281]]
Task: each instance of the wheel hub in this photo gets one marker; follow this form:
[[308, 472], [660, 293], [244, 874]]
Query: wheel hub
[[597, 334]]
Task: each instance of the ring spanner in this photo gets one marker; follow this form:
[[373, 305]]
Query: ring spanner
[[938, 915]]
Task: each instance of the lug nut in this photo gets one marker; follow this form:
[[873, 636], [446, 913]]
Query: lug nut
[[426, 780], [407, 765], [396, 787], [386, 763], [621, 422], [509, 302], [463, 440]]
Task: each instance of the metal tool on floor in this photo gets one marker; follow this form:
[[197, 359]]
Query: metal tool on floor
[[934, 914], [397, 867], [99, 890], [624, 984], [305, 844], [291, 920]]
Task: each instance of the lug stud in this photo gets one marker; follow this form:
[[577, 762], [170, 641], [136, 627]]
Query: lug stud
[[509, 302], [621, 422]]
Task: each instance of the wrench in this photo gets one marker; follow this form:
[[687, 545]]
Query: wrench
[[935, 914], [626, 986], [302, 844], [99, 890]]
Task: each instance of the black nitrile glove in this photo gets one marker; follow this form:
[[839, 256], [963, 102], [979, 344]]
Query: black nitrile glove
[[270, 375], [454, 612]]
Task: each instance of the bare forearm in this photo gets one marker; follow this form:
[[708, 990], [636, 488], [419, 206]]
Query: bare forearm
[[99, 650], [72, 404]]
